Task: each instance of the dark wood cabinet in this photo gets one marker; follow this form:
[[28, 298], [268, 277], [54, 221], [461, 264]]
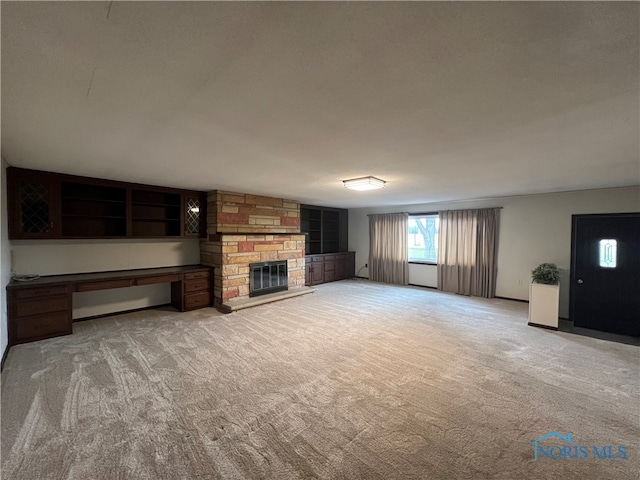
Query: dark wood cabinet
[[43, 308], [36, 313], [93, 210], [195, 221], [327, 237], [194, 292], [325, 229], [155, 213], [325, 268], [49, 205], [316, 263], [34, 204]]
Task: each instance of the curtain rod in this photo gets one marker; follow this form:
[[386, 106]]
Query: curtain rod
[[435, 212]]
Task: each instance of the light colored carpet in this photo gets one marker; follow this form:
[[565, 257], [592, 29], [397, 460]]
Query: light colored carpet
[[356, 381]]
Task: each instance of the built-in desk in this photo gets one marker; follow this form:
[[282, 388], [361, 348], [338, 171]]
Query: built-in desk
[[42, 308]]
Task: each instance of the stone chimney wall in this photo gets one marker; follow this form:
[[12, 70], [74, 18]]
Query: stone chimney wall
[[244, 229]]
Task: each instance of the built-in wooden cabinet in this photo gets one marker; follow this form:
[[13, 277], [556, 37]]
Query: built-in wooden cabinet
[[155, 213], [48, 205], [39, 312], [195, 219], [93, 210], [42, 308], [325, 229], [327, 259], [34, 205], [194, 292], [329, 267]]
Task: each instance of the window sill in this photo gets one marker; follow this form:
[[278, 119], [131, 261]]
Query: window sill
[[422, 263]]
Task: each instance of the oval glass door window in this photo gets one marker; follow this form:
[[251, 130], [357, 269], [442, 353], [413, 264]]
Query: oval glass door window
[[608, 252]]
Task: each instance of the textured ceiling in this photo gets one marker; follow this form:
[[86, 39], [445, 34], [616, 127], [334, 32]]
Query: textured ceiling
[[445, 101]]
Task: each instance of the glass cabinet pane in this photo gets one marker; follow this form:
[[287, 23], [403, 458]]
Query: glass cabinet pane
[[34, 207], [194, 207]]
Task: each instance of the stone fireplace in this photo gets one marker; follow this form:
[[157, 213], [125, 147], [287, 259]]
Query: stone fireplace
[[245, 229]]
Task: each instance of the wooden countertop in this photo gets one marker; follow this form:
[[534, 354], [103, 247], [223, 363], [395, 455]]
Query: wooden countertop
[[75, 278]]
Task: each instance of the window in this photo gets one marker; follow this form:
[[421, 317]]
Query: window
[[608, 252], [423, 238]]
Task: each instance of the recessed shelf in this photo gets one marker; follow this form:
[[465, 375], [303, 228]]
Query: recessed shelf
[[150, 219], [95, 200], [152, 204], [81, 215]]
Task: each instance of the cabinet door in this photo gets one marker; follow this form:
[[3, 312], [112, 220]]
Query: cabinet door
[[195, 215], [317, 270], [307, 273], [34, 203], [317, 273]]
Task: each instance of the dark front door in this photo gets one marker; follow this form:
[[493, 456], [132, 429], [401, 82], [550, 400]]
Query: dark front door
[[605, 272]]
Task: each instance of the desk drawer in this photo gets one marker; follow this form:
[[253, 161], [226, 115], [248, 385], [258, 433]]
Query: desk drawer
[[196, 286], [158, 279], [42, 291], [42, 326], [197, 300], [104, 285], [39, 306], [196, 275]]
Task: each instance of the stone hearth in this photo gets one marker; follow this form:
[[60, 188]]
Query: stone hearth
[[244, 229]]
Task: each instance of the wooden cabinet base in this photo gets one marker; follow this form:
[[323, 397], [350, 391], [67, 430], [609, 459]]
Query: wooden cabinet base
[[40, 312], [330, 267], [43, 308], [194, 301]]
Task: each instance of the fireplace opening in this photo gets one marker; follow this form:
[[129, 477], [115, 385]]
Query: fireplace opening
[[268, 277]]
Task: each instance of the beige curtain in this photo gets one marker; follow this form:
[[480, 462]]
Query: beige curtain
[[388, 248], [467, 251]]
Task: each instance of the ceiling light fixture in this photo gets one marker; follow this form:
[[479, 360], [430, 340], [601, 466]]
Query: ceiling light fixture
[[364, 183]]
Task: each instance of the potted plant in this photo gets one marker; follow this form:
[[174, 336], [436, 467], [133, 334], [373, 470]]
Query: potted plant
[[546, 273], [544, 296]]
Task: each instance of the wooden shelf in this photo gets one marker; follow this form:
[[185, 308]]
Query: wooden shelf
[[151, 204], [153, 219], [81, 215], [44, 205], [325, 227], [96, 200]]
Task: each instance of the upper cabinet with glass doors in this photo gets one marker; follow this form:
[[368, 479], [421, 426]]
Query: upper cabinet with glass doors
[[46, 205]]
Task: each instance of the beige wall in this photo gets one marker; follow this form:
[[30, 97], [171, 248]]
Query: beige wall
[[533, 229], [53, 257]]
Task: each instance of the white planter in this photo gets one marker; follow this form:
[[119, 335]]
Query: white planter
[[544, 301]]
